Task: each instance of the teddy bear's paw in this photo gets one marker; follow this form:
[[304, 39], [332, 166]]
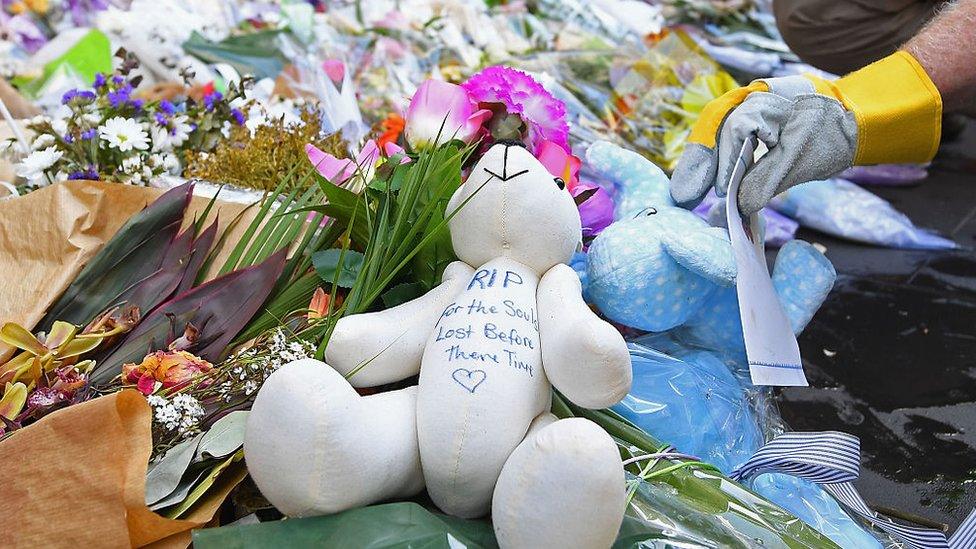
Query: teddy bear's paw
[[391, 342], [315, 447], [585, 357], [562, 487]]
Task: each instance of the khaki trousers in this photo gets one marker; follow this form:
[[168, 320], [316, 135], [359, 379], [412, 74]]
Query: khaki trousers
[[841, 36]]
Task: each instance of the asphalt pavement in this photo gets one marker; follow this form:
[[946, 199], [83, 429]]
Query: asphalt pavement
[[891, 356]]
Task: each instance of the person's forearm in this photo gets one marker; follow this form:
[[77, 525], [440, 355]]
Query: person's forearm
[[946, 48]]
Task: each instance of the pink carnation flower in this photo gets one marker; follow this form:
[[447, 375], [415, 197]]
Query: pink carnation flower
[[543, 114]]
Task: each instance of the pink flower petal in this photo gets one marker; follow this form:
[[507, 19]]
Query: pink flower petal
[[560, 163], [334, 169]]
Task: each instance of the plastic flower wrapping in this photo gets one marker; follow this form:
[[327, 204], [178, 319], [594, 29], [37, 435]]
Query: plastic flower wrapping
[[294, 163]]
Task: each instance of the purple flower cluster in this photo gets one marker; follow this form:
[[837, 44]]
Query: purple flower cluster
[[120, 96], [91, 173], [211, 99], [238, 116], [99, 80], [80, 95]]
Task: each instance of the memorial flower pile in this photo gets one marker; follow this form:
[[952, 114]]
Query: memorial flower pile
[[302, 158]]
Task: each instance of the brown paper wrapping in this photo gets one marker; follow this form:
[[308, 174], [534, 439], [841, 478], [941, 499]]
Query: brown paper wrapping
[[77, 478]]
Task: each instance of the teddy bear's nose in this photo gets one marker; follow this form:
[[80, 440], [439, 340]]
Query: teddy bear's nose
[[511, 143]]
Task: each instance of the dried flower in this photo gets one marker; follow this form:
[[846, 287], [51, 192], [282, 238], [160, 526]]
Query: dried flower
[[165, 370], [319, 306]]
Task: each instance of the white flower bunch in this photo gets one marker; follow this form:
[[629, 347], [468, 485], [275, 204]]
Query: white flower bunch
[[181, 414]]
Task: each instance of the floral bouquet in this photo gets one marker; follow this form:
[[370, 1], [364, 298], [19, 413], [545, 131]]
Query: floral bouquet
[[109, 133]]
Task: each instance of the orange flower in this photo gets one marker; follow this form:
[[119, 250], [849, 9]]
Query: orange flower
[[392, 128], [319, 306], [166, 370]]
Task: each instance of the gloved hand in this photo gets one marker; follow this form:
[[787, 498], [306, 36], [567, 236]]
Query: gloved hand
[[887, 112]]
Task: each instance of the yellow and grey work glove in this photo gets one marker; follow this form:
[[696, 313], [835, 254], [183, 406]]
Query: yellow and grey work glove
[[887, 112]]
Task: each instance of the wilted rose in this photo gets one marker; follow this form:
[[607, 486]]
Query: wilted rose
[[165, 370]]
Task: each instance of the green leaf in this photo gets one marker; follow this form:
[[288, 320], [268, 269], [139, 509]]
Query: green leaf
[[326, 264], [164, 476], [225, 436], [201, 489], [402, 293], [388, 526], [256, 53]]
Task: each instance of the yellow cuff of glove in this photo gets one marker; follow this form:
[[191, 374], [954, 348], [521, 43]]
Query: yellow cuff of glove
[[897, 107], [705, 130]]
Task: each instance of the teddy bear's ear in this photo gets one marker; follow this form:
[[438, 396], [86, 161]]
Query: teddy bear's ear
[[706, 252], [638, 182]]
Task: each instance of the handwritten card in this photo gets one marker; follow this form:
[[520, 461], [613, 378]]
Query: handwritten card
[[771, 347]]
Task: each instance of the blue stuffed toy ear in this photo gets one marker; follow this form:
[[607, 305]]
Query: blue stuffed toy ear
[[706, 252], [638, 182]]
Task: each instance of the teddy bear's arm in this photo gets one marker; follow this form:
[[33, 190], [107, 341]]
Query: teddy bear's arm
[[391, 342], [584, 357], [706, 252]]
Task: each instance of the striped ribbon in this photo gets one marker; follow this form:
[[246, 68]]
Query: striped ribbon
[[832, 459]]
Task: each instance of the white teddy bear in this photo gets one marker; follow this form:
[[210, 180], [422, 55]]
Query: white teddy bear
[[507, 320]]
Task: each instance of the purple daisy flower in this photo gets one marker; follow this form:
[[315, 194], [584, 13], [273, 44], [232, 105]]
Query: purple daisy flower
[[543, 114]]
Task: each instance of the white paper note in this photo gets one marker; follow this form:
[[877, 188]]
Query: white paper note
[[771, 347]]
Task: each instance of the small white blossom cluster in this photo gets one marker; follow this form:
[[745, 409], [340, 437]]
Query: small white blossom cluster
[[180, 415], [253, 366]]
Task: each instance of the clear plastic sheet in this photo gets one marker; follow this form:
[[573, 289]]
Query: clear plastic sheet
[[841, 208], [643, 98]]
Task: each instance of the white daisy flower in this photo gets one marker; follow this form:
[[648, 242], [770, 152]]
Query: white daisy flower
[[32, 167], [174, 135], [42, 141], [124, 134], [60, 126]]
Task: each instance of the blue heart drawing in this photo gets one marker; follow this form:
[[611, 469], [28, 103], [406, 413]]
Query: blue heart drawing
[[469, 379]]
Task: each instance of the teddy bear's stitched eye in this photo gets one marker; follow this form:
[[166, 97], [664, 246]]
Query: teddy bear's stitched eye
[[650, 211], [646, 212], [559, 183]]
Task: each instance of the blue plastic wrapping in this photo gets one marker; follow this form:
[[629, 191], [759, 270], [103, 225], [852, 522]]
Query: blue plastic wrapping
[[841, 208], [691, 398]]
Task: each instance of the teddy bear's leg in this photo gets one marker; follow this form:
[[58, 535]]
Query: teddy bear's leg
[[584, 357], [314, 446], [802, 276], [391, 342], [563, 486]]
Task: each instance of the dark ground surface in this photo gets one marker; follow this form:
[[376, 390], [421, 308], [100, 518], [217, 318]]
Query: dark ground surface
[[891, 356]]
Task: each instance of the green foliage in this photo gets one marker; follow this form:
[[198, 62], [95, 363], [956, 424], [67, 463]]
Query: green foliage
[[327, 266]]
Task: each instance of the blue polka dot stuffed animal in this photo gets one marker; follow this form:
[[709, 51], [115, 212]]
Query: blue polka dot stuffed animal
[[659, 267]]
